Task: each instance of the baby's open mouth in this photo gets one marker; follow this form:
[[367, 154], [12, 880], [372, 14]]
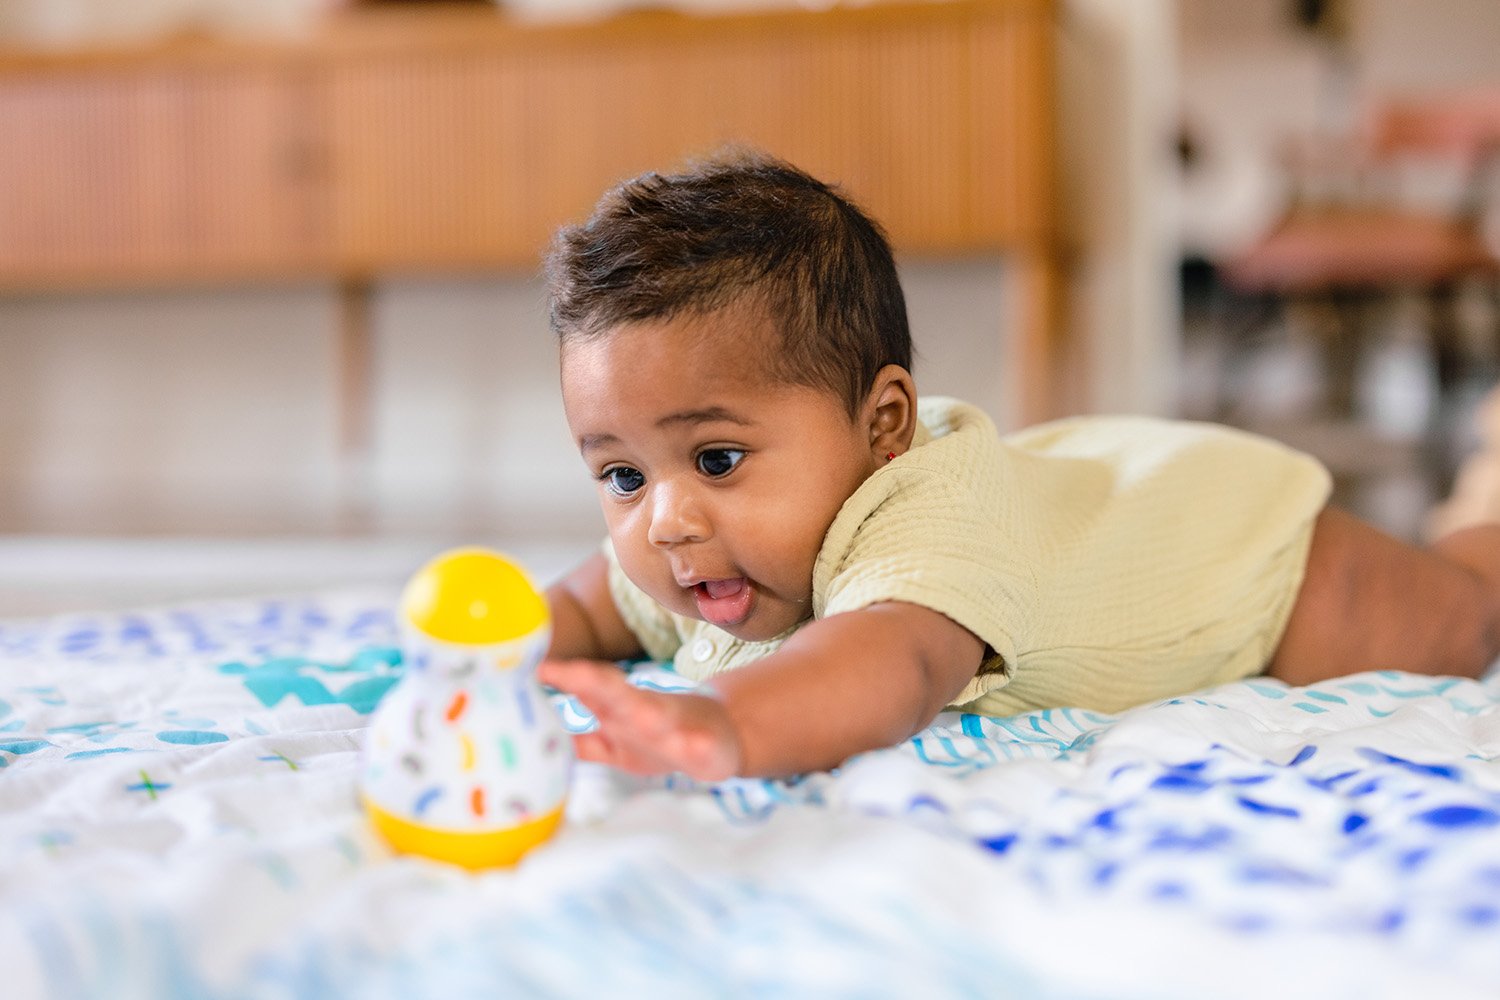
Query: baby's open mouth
[[724, 602]]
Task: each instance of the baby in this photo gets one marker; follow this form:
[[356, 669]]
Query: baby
[[838, 561]]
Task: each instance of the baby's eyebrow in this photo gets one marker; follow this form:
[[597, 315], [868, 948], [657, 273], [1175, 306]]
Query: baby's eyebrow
[[591, 441], [706, 415]]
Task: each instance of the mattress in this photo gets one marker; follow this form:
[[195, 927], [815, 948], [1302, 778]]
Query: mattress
[[179, 818]]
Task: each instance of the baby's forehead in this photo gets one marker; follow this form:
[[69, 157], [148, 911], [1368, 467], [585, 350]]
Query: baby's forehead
[[743, 342], [749, 335]]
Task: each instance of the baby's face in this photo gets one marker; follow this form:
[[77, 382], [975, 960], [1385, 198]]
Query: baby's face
[[717, 483]]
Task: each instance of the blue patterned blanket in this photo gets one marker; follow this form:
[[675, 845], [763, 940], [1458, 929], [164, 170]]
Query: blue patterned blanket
[[178, 819]]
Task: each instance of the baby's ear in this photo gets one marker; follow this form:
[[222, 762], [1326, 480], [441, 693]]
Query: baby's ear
[[890, 412]]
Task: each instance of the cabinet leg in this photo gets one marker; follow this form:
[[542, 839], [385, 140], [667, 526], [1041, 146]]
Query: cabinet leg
[[354, 350], [1034, 353]]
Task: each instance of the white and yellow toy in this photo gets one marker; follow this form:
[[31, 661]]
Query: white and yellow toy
[[465, 759]]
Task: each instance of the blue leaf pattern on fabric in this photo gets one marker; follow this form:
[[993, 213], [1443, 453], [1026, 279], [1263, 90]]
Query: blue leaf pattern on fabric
[[1336, 832]]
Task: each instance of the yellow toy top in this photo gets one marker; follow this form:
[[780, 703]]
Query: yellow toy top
[[473, 596]]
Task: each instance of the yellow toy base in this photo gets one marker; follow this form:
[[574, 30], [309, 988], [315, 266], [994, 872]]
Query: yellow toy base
[[469, 850]]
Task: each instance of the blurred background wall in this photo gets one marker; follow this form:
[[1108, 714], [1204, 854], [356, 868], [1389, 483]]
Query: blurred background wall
[[1337, 167], [194, 413], [212, 411], [1253, 75]]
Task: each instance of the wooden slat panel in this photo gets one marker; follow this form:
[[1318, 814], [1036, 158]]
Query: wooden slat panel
[[427, 158], [456, 138], [255, 175], [1013, 122], [474, 157], [81, 176], [116, 178]]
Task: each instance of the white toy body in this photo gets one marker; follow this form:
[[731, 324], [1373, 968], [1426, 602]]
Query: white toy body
[[465, 758]]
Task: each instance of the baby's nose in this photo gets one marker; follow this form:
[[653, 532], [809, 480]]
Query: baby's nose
[[676, 517]]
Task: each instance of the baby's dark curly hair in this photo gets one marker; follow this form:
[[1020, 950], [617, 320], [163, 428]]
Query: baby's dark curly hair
[[742, 228]]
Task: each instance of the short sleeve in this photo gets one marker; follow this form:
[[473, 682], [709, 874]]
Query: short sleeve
[[1103, 560], [923, 538], [651, 623]]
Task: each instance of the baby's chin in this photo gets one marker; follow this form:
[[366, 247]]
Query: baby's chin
[[768, 618], [765, 624]]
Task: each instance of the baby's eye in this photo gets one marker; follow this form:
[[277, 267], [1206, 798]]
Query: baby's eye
[[716, 462], [622, 480]]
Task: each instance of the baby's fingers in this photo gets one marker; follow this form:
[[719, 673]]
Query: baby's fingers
[[593, 682], [646, 732], [627, 713], [622, 746], [594, 747]]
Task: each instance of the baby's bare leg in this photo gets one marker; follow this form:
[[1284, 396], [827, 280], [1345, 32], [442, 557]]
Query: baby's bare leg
[[1371, 602]]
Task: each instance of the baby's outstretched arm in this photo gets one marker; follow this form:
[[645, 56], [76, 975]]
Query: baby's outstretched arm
[[585, 622], [839, 686]]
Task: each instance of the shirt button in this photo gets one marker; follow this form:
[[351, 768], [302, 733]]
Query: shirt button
[[703, 650]]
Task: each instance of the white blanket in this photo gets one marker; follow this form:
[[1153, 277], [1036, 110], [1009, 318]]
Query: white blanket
[[178, 819]]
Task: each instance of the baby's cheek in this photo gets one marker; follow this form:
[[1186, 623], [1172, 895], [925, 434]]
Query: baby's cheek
[[648, 571], [790, 569]]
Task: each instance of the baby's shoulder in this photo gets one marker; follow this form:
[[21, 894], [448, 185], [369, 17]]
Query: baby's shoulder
[[1115, 427], [1133, 437]]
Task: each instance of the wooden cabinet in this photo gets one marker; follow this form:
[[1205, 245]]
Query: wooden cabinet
[[123, 175], [430, 156], [473, 150], [426, 138], [417, 137]]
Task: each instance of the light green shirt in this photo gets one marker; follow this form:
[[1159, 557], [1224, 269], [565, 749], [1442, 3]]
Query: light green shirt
[[1104, 561]]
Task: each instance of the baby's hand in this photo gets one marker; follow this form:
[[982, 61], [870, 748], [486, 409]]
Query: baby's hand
[[647, 732]]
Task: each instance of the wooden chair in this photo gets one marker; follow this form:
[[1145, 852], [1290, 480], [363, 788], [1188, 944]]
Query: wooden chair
[[1347, 245]]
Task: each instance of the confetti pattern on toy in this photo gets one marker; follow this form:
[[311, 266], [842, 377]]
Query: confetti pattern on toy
[[495, 744]]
